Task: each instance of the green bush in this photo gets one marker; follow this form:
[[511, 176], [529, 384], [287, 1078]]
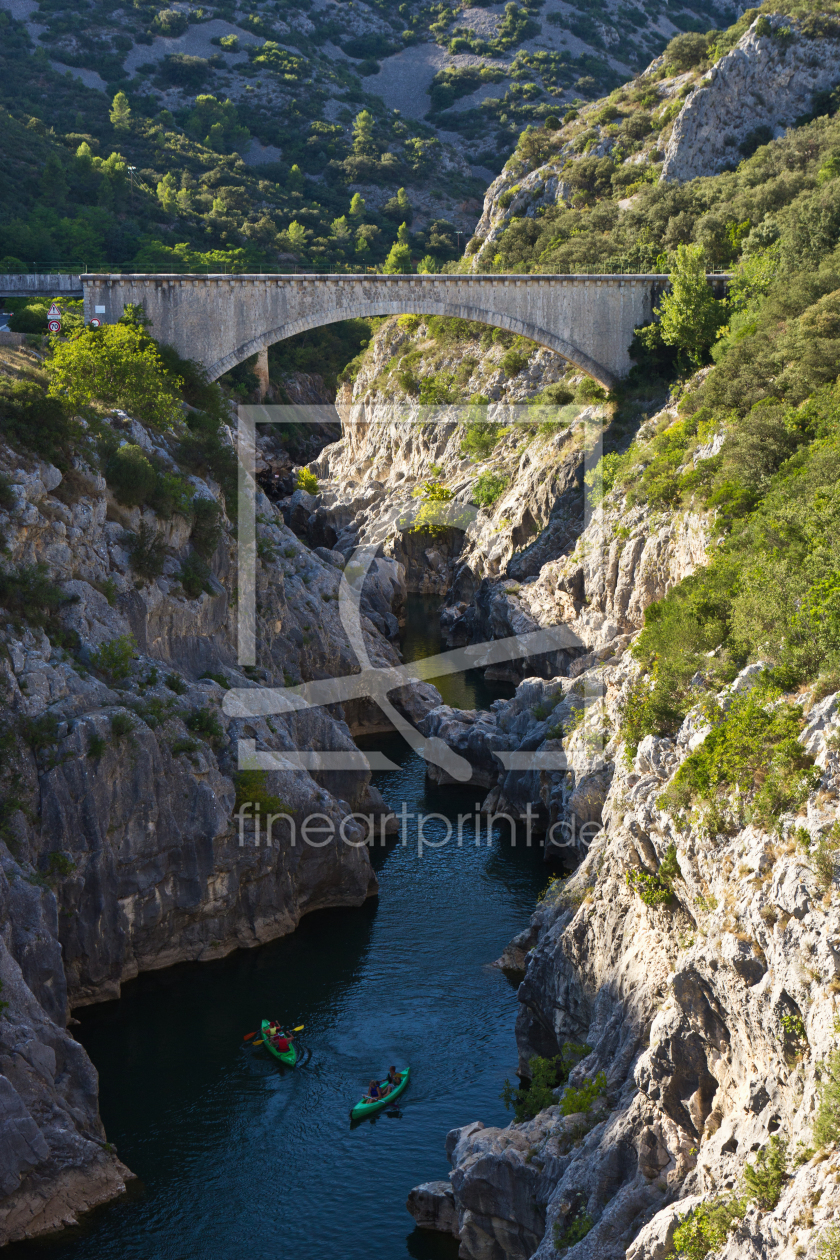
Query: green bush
[[194, 576], [40, 732], [31, 598], [573, 1231], [96, 746], [30, 319], [35, 422], [146, 551], [652, 889], [207, 526], [205, 722], [827, 1121], [176, 683], [118, 365], [828, 1246], [751, 763], [480, 437], [306, 480], [130, 476], [59, 864], [115, 658], [252, 788], [513, 362], [765, 1179], [705, 1228], [546, 1076], [121, 724], [591, 1091], [489, 488]]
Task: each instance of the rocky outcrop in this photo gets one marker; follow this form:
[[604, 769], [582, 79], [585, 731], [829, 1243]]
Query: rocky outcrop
[[119, 843], [54, 1160], [709, 1015], [754, 93]]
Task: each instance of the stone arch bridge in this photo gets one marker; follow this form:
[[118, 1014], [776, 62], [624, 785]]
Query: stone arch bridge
[[221, 320]]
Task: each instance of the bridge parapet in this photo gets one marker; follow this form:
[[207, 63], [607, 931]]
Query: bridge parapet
[[33, 285]]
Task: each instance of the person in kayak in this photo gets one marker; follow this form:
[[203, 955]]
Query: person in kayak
[[377, 1091], [394, 1077]]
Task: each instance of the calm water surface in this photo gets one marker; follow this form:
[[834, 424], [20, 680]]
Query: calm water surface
[[238, 1156]]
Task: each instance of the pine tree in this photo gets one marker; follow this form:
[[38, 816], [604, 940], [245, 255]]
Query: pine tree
[[363, 144], [357, 206], [403, 234], [121, 112], [398, 260], [167, 193]]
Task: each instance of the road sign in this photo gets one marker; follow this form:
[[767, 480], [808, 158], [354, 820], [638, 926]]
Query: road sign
[[54, 312], [54, 325], [96, 323]]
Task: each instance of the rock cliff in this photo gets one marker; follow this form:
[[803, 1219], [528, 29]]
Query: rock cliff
[[757, 91], [119, 843]]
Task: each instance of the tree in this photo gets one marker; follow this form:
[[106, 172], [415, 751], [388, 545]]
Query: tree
[[167, 193], [296, 233], [363, 142], [357, 206], [117, 365], [428, 266], [403, 234], [121, 112], [398, 260], [689, 315], [341, 230], [294, 183], [216, 124]]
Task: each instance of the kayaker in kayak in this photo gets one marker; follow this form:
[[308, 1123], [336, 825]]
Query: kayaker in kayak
[[281, 1040], [394, 1077], [377, 1091]]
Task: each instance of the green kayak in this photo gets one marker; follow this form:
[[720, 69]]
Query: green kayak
[[285, 1056], [366, 1107]]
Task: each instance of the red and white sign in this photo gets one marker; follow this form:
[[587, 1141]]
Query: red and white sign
[[54, 325], [54, 312], [95, 323]]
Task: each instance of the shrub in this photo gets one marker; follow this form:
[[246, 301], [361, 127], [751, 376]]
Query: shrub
[[146, 551], [751, 762], [40, 731], [653, 890], [573, 1231], [306, 480], [194, 576], [705, 1227], [176, 683], [118, 365], [827, 1122], [480, 437], [207, 526], [824, 864], [59, 864], [513, 361], [31, 598], [764, 1179], [114, 659], [30, 319], [130, 475], [591, 1091], [489, 488], [121, 724], [252, 788], [546, 1076], [828, 1247], [216, 678], [96, 746], [205, 722]]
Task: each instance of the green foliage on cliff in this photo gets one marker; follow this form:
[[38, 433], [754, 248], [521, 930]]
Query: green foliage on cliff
[[117, 365], [751, 765], [546, 1076], [827, 1121], [704, 1229]]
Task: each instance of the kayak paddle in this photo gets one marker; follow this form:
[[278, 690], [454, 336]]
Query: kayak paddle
[[248, 1036]]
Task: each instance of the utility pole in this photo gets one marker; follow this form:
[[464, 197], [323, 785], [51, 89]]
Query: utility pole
[[459, 235], [131, 171]]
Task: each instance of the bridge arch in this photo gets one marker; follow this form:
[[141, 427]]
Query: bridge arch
[[362, 309]]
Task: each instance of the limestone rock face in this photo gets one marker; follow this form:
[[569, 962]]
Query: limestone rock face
[[124, 720], [709, 1017], [757, 91]]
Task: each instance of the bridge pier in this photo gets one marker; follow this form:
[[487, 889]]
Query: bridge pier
[[262, 372]]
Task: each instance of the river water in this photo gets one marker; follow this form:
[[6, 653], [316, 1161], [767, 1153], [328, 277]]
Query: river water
[[237, 1156]]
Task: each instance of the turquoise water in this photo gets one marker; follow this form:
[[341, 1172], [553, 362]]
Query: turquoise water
[[237, 1155]]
